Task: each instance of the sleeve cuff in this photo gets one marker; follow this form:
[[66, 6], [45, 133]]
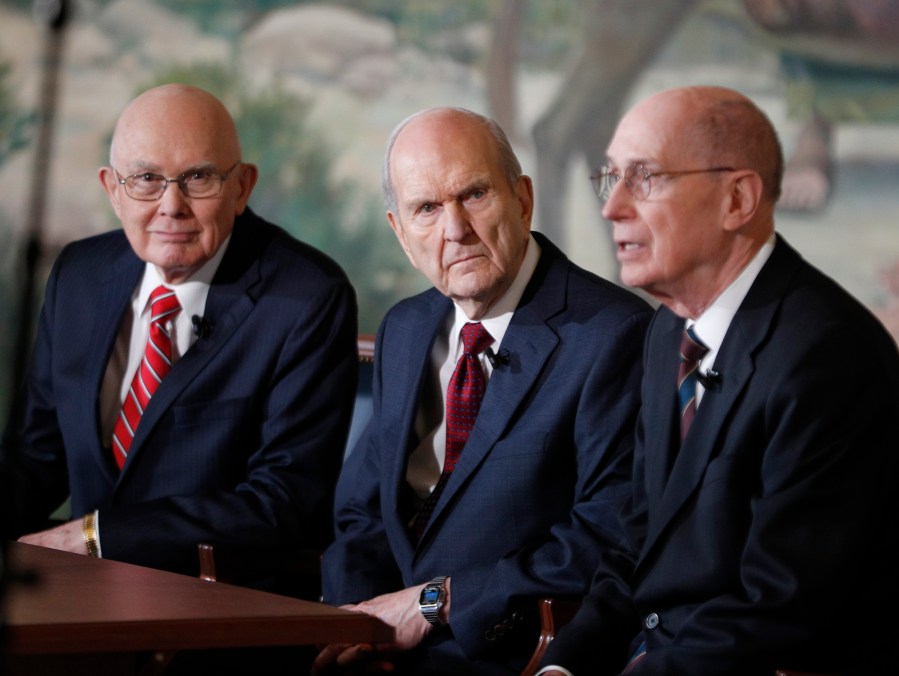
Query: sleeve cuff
[[553, 667]]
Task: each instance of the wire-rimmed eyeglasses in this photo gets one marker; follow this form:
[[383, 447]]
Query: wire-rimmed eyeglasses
[[196, 183], [637, 179]]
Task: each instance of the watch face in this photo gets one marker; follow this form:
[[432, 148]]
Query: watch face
[[430, 595]]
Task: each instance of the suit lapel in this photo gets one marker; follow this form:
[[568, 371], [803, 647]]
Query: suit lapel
[[530, 342], [736, 364], [660, 402], [113, 299], [407, 352]]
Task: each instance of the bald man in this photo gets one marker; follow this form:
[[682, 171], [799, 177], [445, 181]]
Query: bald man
[[193, 374], [451, 526], [763, 518]]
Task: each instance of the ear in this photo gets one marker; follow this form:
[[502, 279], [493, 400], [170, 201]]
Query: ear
[[397, 228], [526, 199], [247, 178], [111, 186], [744, 196]]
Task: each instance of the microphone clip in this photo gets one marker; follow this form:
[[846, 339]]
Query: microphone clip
[[497, 359], [710, 380], [202, 326]]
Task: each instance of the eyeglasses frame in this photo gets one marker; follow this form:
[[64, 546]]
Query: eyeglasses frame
[[180, 180], [603, 184]]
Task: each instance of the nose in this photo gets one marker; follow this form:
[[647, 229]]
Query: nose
[[456, 224], [173, 201], [620, 202]]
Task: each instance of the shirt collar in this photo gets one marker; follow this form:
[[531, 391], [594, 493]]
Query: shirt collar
[[711, 326], [498, 317], [191, 293]]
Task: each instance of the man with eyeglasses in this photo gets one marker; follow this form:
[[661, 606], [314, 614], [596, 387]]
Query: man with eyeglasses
[[763, 520], [194, 373]]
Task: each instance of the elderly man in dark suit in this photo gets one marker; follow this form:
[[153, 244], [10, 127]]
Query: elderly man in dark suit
[[763, 519], [193, 373], [499, 449]]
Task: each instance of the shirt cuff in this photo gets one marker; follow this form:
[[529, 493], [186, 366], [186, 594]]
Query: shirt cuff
[[554, 667]]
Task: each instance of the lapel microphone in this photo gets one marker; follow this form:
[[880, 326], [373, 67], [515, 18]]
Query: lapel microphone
[[202, 326], [497, 360], [711, 380]]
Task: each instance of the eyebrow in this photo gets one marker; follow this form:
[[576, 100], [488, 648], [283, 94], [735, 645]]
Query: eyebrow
[[142, 167], [479, 183], [644, 161]]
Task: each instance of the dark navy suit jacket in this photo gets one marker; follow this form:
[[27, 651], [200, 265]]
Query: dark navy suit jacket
[[538, 487], [241, 444], [769, 540]]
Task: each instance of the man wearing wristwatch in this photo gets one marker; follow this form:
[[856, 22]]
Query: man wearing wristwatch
[[193, 372], [504, 401]]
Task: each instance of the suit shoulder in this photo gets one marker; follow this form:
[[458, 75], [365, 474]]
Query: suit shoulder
[[280, 251], [418, 307], [113, 240], [93, 253], [583, 289], [814, 299], [588, 289]]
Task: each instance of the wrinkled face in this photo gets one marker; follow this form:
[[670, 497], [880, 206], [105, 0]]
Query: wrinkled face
[[458, 220], [170, 131], [667, 243]]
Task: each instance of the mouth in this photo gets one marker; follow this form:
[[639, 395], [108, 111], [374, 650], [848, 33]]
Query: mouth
[[173, 236], [464, 259], [624, 246]]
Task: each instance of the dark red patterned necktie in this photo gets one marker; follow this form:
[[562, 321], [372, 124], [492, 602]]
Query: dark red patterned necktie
[[692, 350], [155, 366], [463, 401]]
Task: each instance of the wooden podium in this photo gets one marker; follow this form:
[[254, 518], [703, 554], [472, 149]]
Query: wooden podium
[[82, 609]]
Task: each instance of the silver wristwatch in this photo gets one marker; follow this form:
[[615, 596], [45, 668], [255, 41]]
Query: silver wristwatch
[[432, 598]]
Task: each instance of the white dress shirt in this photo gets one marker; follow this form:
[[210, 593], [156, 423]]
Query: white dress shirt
[[712, 325]]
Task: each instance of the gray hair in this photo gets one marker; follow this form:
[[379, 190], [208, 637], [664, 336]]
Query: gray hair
[[508, 162]]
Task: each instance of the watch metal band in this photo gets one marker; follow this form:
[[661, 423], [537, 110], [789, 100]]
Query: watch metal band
[[89, 531]]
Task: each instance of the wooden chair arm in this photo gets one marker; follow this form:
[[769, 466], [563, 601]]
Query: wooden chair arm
[[554, 614]]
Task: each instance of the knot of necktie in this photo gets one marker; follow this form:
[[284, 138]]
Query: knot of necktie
[[475, 338], [692, 350], [163, 305]]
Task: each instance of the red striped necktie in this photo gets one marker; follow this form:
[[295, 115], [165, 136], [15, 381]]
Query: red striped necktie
[[155, 366]]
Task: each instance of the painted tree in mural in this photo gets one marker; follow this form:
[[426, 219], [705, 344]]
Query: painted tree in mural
[[618, 39], [847, 52]]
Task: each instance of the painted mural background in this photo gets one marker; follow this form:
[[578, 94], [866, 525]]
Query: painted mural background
[[316, 88]]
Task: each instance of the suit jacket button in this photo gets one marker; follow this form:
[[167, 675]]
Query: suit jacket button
[[652, 621]]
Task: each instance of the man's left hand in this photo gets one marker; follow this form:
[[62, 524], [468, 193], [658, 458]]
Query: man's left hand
[[68, 537], [398, 609]]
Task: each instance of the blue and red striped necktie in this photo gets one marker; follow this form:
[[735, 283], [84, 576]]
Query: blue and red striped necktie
[[692, 350]]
